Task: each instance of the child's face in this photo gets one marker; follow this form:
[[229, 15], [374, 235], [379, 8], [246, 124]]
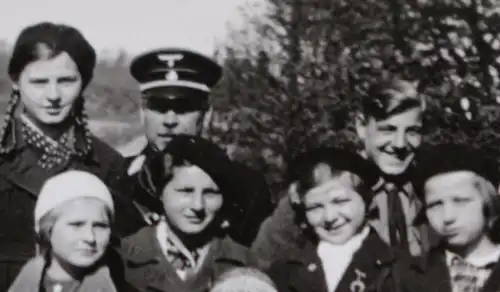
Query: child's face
[[335, 211], [81, 233], [191, 200], [455, 208]]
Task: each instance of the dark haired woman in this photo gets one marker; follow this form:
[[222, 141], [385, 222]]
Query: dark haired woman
[[189, 248], [45, 132]]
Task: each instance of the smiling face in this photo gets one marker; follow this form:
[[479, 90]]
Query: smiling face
[[191, 200], [49, 88], [333, 209], [391, 143], [455, 208]]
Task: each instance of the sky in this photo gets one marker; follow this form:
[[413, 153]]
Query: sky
[[132, 25]]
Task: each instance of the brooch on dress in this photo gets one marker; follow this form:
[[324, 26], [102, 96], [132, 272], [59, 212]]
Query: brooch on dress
[[358, 285]]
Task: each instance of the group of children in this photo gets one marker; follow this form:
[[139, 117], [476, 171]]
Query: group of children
[[188, 249], [91, 237]]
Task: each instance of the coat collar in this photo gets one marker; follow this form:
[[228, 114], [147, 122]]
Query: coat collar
[[378, 252], [365, 266], [143, 248], [434, 273], [15, 140], [30, 278]]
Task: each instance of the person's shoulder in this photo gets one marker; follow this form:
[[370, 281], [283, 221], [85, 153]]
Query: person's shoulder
[[229, 248], [139, 246], [229, 244], [104, 151], [34, 264], [29, 276], [141, 235]]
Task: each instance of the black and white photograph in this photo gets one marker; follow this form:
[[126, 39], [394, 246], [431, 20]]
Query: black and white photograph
[[250, 146]]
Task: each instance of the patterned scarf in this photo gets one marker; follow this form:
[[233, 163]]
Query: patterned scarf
[[183, 261], [54, 153], [178, 259], [466, 277]]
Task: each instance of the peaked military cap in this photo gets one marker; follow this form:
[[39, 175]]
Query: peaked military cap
[[173, 67]]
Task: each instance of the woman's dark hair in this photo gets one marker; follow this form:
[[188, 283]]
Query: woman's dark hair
[[186, 150], [56, 38], [32, 44]]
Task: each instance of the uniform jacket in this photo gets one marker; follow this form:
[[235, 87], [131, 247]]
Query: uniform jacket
[[253, 206], [21, 180], [371, 269], [429, 273], [147, 269]]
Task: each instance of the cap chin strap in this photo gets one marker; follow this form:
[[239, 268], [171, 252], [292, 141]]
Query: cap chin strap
[[206, 123], [179, 83]]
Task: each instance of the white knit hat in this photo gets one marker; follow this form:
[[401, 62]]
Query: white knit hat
[[244, 279], [67, 186]]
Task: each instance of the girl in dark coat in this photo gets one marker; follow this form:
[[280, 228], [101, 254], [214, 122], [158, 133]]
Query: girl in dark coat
[[45, 132], [73, 227], [188, 249], [342, 252], [459, 185]]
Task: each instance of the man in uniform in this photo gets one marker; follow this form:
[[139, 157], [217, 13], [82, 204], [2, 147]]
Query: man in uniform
[[175, 86]]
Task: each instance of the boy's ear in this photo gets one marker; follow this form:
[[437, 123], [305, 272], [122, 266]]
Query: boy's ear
[[293, 194], [361, 123]]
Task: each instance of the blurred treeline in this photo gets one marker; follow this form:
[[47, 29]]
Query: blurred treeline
[[294, 74]]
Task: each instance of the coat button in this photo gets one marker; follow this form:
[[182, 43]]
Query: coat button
[[312, 267]]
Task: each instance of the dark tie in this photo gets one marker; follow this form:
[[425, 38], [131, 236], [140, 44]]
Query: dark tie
[[397, 224]]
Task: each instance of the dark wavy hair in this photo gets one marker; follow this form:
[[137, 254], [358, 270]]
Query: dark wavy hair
[[31, 45], [185, 150]]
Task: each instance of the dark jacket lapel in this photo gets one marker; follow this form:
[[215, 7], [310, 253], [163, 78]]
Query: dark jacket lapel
[[493, 282], [432, 273], [300, 271], [142, 251], [223, 254], [366, 265]]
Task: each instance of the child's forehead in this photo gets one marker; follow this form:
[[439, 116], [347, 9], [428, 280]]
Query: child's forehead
[[336, 186], [451, 178]]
